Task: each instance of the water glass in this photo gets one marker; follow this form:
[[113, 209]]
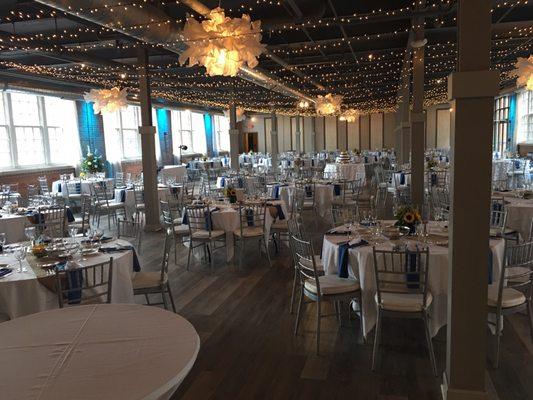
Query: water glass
[[20, 255], [29, 231], [2, 239]]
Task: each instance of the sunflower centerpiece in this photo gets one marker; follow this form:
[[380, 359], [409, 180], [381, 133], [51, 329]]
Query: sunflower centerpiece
[[231, 194], [408, 216]]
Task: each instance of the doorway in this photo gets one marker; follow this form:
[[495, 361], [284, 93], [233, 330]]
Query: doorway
[[250, 142]]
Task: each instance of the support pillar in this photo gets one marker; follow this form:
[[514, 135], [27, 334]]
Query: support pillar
[[313, 135], [471, 90], [297, 135], [403, 131], [417, 117], [233, 138], [274, 141], [147, 132]]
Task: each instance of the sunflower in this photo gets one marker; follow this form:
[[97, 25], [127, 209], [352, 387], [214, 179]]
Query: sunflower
[[409, 217]]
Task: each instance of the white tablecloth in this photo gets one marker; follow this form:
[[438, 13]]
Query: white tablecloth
[[176, 172], [22, 294], [519, 215], [350, 172], [228, 220], [104, 351], [361, 266], [323, 197], [13, 226]]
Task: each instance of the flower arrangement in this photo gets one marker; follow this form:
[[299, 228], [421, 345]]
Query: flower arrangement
[[92, 163], [432, 164], [407, 216], [231, 194]]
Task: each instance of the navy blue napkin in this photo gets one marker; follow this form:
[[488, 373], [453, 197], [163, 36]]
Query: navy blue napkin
[[402, 178], [78, 187], [240, 183], [70, 216], [222, 181], [337, 189], [517, 164], [433, 179], [116, 249], [249, 216], [342, 269], [412, 274], [275, 192], [281, 215], [308, 191]]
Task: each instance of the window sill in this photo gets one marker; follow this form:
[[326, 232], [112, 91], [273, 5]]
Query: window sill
[[34, 169]]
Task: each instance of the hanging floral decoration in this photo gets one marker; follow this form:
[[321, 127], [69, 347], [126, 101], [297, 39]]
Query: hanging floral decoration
[[349, 115], [107, 100], [222, 44], [239, 112], [524, 70], [329, 104]]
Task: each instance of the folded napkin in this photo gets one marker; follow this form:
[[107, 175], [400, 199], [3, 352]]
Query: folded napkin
[[249, 216], [337, 189], [74, 280], [342, 269], [120, 248], [413, 274], [275, 192], [281, 215], [70, 216]]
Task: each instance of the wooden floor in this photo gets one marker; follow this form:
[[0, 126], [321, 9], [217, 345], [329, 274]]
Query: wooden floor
[[248, 350]]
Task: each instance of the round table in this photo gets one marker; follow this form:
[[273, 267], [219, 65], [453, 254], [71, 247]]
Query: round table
[[361, 267], [105, 351], [350, 172], [24, 293], [519, 214], [13, 226]]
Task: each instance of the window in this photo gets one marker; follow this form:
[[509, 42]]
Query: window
[[525, 117], [37, 130], [188, 129], [500, 131], [122, 137], [222, 142]]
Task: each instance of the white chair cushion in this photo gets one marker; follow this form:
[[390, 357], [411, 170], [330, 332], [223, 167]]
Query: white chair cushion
[[319, 265], [510, 297], [144, 280], [332, 284], [181, 229], [280, 225], [203, 234], [112, 206], [404, 302], [140, 206], [251, 231]]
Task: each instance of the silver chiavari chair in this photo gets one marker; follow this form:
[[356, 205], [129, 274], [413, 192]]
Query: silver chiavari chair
[[252, 228], [402, 291], [318, 288], [512, 292]]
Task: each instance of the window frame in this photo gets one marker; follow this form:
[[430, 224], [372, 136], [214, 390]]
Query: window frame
[[501, 123], [11, 129]]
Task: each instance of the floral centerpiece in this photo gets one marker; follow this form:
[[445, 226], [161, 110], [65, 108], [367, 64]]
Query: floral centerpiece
[[92, 163], [432, 164], [408, 216], [231, 194]]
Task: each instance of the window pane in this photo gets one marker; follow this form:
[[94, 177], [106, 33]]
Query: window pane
[[2, 111], [185, 117], [199, 144], [25, 109], [129, 118], [5, 157], [63, 136], [30, 146], [130, 139]]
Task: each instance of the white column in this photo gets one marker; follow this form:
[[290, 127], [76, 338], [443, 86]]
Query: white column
[[297, 135], [313, 135], [471, 90], [147, 132], [274, 141], [233, 137]]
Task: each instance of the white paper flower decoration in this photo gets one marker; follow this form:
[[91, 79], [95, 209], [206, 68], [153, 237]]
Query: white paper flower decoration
[[107, 100], [328, 104], [524, 70], [240, 114], [349, 115], [222, 44]]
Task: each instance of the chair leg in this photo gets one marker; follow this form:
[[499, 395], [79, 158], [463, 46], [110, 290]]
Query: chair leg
[[175, 251], [298, 312], [171, 297], [189, 255], [377, 338], [147, 299], [430, 346], [164, 298], [318, 320], [497, 335], [530, 315], [267, 252], [241, 254], [211, 255], [293, 290]]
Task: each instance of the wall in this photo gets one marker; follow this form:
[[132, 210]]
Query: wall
[[30, 177], [438, 125]]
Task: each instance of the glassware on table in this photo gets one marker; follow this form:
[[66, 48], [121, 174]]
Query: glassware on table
[[20, 255], [2, 240], [29, 231]]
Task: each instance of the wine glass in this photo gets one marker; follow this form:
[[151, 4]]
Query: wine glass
[[29, 231], [2, 239], [20, 255]]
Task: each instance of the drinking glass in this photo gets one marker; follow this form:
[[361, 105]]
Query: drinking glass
[[29, 231], [2, 239], [20, 255]]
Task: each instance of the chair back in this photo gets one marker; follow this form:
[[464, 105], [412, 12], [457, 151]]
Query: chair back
[[199, 219], [344, 214], [298, 199], [43, 185], [138, 193], [166, 213], [166, 251], [119, 179], [86, 285], [304, 260], [252, 215], [129, 229], [294, 228], [401, 271], [52, 221], [103, 193], [85, 213], [497, 222], [517, 271], [72, 187]]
